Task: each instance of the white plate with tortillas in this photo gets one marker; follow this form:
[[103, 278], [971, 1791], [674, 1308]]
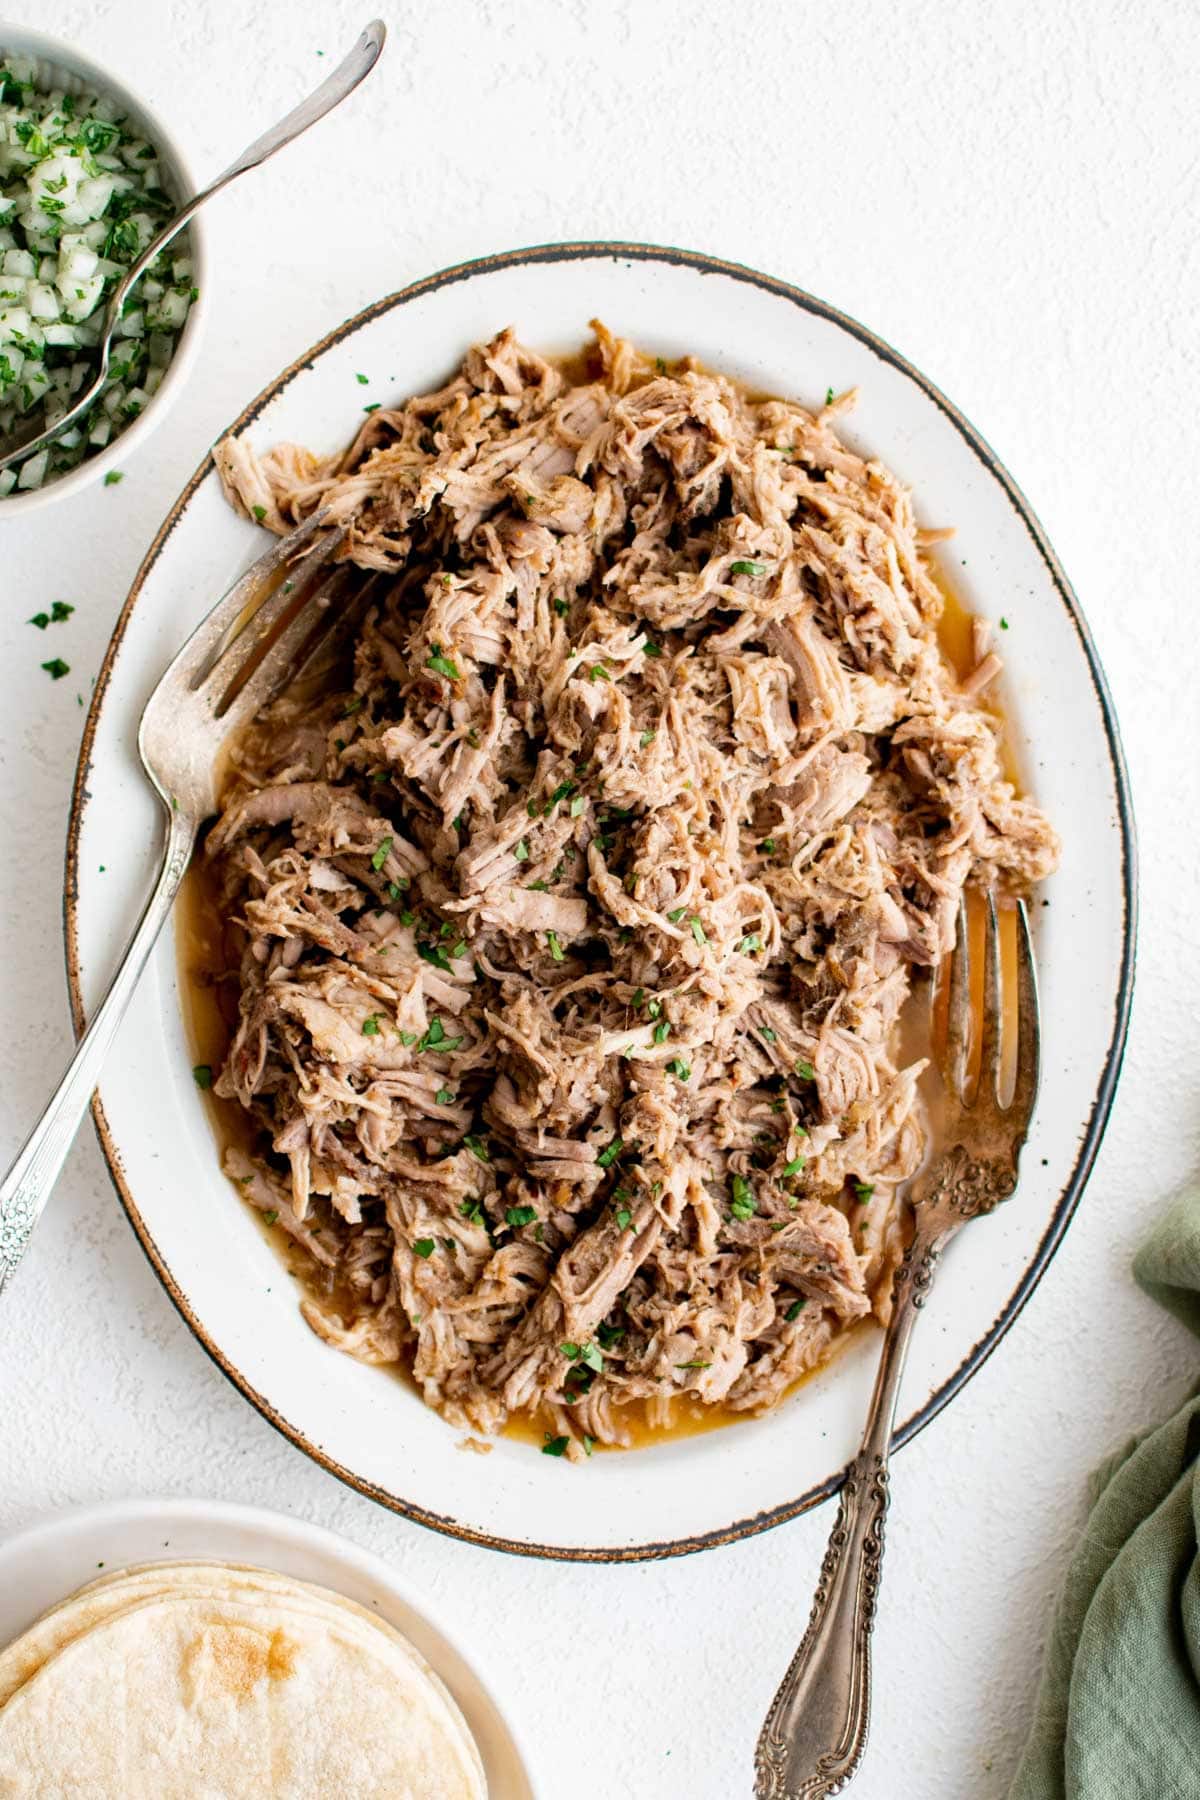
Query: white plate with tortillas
[[185, 1648]]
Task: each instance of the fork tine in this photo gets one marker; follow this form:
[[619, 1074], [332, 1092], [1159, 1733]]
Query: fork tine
[[958, 1020], [1029, 1033], [991, 1048], [242, 649], [296, 645], [213, 634]]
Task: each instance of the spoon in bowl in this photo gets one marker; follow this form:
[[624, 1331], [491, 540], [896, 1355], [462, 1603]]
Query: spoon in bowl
[[343, 80]]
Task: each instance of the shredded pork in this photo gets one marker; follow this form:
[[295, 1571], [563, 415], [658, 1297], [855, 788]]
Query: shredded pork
[[572, 931]]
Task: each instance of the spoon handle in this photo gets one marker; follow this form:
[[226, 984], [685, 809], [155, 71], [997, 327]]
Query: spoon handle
[[333, 90], [26, 1187], [342, 81]]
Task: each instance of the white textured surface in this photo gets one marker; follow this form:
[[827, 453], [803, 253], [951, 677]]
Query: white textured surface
[[1009, 196]]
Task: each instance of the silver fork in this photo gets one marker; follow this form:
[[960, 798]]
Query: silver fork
[[816, 1730], [243, 654]]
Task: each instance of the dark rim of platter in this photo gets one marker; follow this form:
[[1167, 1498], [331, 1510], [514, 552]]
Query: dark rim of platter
[[1101, 1104]]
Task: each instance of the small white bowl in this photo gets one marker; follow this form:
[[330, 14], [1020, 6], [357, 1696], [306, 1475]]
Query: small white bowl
[[61, 65]]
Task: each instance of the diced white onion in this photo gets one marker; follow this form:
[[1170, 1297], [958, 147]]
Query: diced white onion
[[33, 470], [77, 208], [43, 301]]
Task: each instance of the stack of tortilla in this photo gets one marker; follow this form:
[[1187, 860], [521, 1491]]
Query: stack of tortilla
[[216, 1681]]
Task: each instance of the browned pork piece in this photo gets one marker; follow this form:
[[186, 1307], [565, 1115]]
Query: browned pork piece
[[573, 929]]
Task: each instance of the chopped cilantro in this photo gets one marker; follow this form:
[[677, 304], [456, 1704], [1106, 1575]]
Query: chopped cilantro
[[651, 649], [560, 793], [522, 851], [863, 1191], [556, 949], [696, 1363], [743, 1205], [1004, 624], [675, 916], [56, 668], [381, 853], [750, 943], [270, 1218], [260, 513], [608, 1156], [624, 1218], [202, 1075], [477, 1147], [698, 932], [678, 1067], [424, 1247], [829, 396], [41, 620], [555, 1446], [647, 737], [747, 568], [767, 846], [519, 1216], [442, 664], [805, 1071], [608, 1335], [794, 1310], [794, 1167], [370, 1026], [662, 1031], [362, 380]]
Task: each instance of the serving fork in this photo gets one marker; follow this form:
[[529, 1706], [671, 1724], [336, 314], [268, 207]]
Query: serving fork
[[816, 1729], [275, 622]]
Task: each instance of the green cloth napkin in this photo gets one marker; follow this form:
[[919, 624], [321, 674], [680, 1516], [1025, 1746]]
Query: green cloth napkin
[[1118, 1711]]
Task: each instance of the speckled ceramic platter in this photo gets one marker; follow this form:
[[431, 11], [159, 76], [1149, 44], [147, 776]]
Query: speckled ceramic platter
[[363, 1424]]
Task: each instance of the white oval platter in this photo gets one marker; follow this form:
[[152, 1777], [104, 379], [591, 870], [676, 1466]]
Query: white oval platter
[[361, 1423]]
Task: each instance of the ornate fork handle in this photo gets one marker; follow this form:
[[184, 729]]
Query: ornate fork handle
[[26, 1187], [816, 1730]]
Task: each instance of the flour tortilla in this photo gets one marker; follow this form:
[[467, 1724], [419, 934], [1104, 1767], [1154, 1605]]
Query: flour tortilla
[[222, 1683], [113, 1593]]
